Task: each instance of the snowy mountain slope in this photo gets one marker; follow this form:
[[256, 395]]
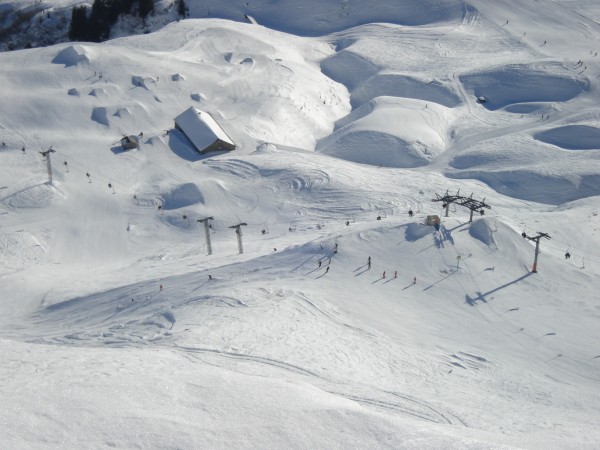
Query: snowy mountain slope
[[117, 329]]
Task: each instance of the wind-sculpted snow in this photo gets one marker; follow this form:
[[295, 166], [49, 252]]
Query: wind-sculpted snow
[[290, 290], [400, 85], [571, 137], [365, 81], [518, 83]]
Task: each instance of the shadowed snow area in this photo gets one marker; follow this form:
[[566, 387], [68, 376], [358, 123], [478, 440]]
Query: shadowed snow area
[[398, 85], [572, 137], [184, 195], [293, 292], [516, 84], [523, 167]]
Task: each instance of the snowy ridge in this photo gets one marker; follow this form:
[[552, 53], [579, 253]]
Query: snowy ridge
[[346, 321]]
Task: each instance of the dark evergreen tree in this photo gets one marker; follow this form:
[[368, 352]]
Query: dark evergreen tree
[[98, 25], [146, 7], [79, 23], [181, 8]]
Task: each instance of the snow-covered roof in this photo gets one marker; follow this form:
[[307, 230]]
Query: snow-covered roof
[[200, 128]]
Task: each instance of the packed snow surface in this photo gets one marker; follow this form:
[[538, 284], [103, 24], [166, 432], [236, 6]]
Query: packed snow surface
[[289, 294]]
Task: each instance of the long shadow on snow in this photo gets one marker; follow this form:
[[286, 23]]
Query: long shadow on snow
[[481, 296]]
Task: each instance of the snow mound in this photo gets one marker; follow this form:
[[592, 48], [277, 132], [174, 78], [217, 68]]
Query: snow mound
[[72, 55], [518, 83], [142, 81], [370, 134], [571, 137], [480, 229], [196, 96], [247, 62], [98, 92], [415, 231], [122, 113], [100, 115], [181, 196], [266, 147], [398, 85]]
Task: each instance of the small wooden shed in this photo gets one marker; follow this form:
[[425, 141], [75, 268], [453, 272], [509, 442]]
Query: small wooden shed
[[433, 221], [129, 142]]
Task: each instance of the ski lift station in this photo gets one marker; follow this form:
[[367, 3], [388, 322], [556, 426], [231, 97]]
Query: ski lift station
[[203, 131]]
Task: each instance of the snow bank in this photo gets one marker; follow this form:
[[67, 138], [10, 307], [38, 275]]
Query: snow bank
[[480, 229], [415, 231]]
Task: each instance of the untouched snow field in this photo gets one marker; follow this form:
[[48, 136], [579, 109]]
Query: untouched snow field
[[119, 330]]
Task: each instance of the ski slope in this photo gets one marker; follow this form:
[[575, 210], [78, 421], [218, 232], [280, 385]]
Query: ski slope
[[119, 329]]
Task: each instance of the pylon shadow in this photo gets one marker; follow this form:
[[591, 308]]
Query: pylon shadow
[[472, 301]]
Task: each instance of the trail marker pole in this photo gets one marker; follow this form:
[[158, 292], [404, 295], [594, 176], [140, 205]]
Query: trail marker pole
[[207, 233], [238, 231]]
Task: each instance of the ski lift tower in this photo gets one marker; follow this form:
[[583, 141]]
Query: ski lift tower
[[536, 239], [447, 199], [473, 205], [207, 232], [238, 232], [46, 154]]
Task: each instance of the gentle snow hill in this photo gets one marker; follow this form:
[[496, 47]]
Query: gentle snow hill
[[396, 132], [118, 329]]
